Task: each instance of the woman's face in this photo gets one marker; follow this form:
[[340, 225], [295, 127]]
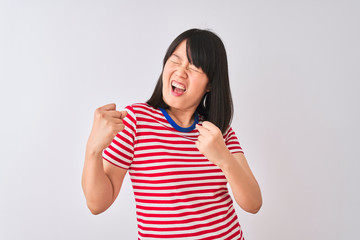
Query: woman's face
[[184, 85]]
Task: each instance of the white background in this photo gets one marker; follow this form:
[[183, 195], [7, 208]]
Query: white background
[[294, 71]]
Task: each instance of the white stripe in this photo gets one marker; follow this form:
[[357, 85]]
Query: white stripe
[[141, 111], [157, 150], [115, 162], [177, 190], [165, 144], [183, 197], [190, 214]]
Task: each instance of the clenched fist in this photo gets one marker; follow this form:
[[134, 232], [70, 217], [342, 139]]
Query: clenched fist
[[107, 123], [211, 143]]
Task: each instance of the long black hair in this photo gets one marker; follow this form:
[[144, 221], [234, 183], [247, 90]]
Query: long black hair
[[205, 50]]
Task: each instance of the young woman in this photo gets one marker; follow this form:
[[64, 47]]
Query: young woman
[[178, 148]]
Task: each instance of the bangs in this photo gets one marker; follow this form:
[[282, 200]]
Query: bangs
[[200, 52]]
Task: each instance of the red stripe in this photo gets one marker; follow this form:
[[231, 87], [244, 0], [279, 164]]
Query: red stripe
[[155, 147], [107, 154], [184, 193], [177, 201], [150, 168], [159, 181], [157, 154], [178, 187], [172, 173], [166, 160], [235, 150]]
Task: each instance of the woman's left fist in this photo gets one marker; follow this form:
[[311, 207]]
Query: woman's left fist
[[211, 143]]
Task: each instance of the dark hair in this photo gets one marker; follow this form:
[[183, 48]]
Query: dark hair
[[206, 50]]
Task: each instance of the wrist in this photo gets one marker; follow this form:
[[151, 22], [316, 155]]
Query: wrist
[[227, 161], [91, 151]]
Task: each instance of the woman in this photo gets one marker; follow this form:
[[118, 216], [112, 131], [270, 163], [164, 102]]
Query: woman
[[178, 147]]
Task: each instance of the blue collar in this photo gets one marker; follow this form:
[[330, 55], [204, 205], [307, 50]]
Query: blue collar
[[177, 127]]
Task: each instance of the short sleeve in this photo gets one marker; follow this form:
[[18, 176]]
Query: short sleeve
[[232, 141], [120, 152]]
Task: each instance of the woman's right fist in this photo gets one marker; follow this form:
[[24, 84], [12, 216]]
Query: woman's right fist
[[107, 123]]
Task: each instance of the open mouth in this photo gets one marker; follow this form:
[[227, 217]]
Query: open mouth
[[177, 88]]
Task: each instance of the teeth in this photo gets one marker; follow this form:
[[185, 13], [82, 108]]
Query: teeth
[[174, 84]]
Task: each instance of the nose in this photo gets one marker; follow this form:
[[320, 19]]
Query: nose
[[181, 72]]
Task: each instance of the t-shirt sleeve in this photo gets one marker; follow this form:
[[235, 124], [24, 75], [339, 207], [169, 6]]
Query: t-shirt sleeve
[[232, 141], [120, 152]]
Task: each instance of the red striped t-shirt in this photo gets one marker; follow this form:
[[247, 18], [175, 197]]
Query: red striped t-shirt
[[179, 193]]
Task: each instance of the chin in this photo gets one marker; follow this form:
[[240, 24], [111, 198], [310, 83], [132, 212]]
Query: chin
[[171, 104]]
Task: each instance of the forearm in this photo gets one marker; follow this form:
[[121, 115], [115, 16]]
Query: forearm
[[243, 184], [96, 184]]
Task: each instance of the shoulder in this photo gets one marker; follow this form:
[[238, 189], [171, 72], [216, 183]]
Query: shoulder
[[143, 109], [229, 133]]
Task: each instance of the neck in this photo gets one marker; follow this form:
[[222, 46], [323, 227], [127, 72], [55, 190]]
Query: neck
[[183, 118]]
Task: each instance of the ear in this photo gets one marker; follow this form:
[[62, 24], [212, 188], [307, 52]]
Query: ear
[[208, 87]]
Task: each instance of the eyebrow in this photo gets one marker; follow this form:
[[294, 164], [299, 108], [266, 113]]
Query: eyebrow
[[176, 56]]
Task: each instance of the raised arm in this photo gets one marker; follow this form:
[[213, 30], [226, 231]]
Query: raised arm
[[101, 181]]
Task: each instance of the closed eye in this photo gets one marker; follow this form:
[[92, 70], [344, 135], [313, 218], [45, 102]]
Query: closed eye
[[174, 62], [195, 69], [174, 59]]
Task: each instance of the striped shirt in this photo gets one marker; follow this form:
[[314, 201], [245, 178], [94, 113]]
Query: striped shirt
[[179, 193]]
